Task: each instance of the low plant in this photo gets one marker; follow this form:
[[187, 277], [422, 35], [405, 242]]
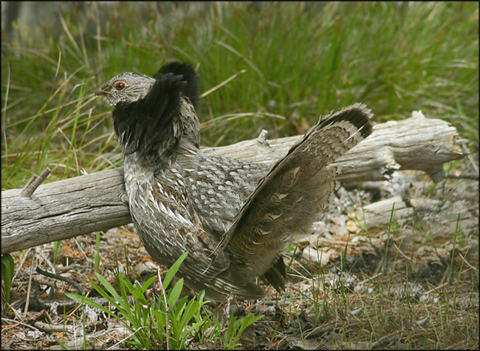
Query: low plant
[[8, 268], [166, 321], [159, 323], [236, 328]]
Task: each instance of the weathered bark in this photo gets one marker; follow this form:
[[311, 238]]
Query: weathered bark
[[63, 209], [89, 203]]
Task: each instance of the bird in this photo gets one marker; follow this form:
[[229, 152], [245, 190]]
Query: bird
[[234, 218]]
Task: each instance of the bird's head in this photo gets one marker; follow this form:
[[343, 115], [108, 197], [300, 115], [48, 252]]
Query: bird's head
[[126, 87], [151, 115]]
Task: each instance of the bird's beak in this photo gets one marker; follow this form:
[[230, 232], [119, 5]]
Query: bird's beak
[[101, 92]]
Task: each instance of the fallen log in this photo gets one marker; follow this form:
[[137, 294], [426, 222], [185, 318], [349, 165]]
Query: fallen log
[[416, 143], [89, 203]]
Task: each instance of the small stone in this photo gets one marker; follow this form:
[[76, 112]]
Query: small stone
[[143, 268], [352, 227], [316, 256]]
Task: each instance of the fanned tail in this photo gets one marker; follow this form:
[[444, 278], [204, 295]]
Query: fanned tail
[[291, 196]]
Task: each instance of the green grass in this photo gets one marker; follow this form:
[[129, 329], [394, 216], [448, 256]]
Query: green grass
[[301, 60]]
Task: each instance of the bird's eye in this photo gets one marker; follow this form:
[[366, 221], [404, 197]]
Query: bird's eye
[[120, 85]]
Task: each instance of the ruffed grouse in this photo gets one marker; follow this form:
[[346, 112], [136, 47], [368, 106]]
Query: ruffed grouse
[[233, 217]]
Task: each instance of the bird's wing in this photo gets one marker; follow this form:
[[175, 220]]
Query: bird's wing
[[218, 188], [289, 198]]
